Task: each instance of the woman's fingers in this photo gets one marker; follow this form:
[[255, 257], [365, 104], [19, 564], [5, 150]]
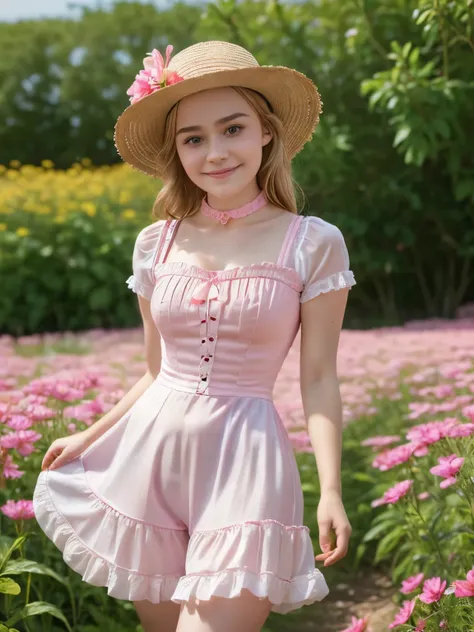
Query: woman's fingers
[[50, 456]]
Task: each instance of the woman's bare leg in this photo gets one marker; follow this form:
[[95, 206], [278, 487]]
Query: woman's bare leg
[[245, 613], [158, 617]]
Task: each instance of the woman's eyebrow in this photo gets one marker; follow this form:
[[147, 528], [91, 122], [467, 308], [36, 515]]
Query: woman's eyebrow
[[197, 128]]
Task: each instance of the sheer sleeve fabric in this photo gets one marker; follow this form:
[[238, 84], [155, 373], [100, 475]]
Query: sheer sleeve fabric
[[142, 280], [321, 258]]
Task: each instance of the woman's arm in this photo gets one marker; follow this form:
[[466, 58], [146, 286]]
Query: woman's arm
[[321, 322], [153, 358]]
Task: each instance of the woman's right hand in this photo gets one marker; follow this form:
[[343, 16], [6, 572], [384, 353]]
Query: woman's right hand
[[66, 449]]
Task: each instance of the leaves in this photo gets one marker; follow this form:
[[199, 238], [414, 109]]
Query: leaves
[[21, 566], [36, 608], [9, 587]]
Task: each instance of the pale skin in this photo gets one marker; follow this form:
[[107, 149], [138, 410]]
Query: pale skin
[[203, 242]]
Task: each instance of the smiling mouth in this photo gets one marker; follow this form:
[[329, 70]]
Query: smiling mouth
[[221, 172]]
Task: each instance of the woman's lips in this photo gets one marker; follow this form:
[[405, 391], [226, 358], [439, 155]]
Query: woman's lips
[[222, 174]]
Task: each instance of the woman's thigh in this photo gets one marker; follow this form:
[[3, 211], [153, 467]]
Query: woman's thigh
[[243, 613], [158, 617]]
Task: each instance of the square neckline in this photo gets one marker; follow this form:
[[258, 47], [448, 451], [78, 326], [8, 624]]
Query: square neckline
[[169, 232]]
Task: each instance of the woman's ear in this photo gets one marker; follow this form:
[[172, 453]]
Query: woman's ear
[[266, 136]]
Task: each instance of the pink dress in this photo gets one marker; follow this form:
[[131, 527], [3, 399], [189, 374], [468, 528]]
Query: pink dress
[[195, 491]]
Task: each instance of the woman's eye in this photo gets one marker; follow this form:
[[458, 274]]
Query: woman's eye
[[188, 141], [234, 127]]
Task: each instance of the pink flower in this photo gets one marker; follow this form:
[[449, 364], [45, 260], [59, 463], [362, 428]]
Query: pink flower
[[85, 411], [448, 467], [10, 469], [423, 495], [404, 614], [468, 412], [20, 422], [426, 434], [38, 412], [461, 430], [357, 625], [20, 510], [412, 583], [22, 441], [433, 590], [141, 87], [465, 588], [420, 626], [380, 442], [388, 459], [155, 76], [394, 494]]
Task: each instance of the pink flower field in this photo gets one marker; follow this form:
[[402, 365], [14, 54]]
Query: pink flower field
[[408, 398]]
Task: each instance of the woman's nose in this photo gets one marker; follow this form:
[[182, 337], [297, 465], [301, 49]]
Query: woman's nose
[[216, 149]]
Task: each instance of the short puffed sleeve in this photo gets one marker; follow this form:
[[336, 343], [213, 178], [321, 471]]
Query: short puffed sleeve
[[321, 258], [142, 280]]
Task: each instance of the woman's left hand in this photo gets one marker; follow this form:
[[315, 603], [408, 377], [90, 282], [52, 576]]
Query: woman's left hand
[[332, 517]]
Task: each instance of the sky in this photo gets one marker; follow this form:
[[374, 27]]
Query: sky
[[12, 11]]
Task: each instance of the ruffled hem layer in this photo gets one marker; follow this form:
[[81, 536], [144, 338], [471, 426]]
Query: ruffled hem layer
[[121, 582], [284, 595], [269, 559]]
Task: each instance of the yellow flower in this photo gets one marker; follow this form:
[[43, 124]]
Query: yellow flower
[[3, 227], [47, 164], [89, 208], [2, 168], [124, 197], [22, 231], [87, 162], [14, 164], [129, 213]]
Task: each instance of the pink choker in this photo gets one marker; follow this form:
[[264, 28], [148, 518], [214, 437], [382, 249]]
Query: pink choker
[[235, 213]]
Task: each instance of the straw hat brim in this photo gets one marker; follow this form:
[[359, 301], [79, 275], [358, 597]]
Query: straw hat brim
[[139, 131]]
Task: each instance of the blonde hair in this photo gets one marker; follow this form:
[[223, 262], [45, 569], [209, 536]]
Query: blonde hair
[[180, 197]]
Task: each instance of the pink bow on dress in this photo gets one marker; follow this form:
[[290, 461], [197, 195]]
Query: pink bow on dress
[[207, 291]]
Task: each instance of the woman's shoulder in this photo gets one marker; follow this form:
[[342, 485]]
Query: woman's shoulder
[[149, 234], [317, 231]]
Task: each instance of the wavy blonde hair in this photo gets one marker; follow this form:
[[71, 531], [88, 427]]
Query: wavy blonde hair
[[180, 197]]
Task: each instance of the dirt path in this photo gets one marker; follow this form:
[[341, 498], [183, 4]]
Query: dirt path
[[366, 595]]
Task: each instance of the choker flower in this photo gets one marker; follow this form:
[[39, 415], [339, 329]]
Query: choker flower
[[156, 75]]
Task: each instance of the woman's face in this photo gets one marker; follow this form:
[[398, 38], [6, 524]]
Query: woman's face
[[217, 130]]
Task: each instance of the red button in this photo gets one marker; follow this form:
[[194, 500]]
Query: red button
[[211, 339], [202, 322], [213, 318]]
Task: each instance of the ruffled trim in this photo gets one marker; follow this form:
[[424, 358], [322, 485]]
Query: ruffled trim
[[137, 287], [270, 559], [268, 270], [121, 583], [284, 595], [337, 281]]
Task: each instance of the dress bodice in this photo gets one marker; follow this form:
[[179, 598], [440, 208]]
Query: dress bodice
[[228, 332]]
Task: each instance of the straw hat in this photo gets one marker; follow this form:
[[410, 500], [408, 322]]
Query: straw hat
[[139, 131]]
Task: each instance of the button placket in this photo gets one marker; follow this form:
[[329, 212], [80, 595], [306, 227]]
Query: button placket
[[209, 313]]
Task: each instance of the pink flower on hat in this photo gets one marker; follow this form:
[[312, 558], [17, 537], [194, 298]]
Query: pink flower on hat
[[155, 76]]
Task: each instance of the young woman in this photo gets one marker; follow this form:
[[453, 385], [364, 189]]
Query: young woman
[[186, 498]]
